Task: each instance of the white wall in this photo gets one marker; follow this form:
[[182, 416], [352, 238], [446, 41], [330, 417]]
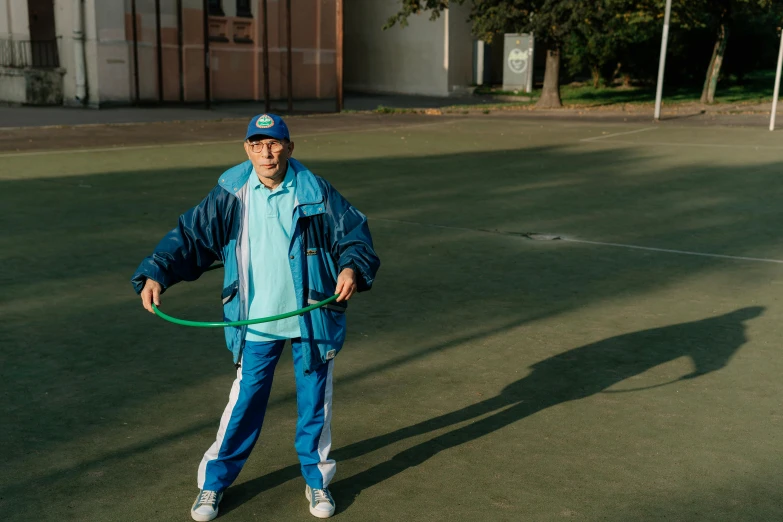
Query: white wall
[[410, 60], [107, 53], [64, 24], [107, 60], [5, 18], [14, 22], [426, 57], [113, 59], [13, 86]]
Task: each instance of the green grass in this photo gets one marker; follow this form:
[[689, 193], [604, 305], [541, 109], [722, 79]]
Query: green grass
[[485, 377], [755, 88]]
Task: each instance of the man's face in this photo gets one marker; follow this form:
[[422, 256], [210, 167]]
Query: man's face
[[269, 157]]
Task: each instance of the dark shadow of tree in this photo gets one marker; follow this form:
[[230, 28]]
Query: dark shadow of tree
[[572, 375]]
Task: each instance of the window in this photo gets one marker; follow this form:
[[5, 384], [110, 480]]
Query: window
[[243, 8], [243, 31], [216, 8]]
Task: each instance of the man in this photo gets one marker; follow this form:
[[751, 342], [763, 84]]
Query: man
[[287, 239]]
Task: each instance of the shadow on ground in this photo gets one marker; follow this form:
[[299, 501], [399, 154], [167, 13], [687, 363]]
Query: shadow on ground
[[572, 375]]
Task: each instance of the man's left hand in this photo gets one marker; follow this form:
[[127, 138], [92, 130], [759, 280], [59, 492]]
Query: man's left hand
[[346, 284]]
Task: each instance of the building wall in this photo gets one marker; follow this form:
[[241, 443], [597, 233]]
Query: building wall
[[314, 41], [236, 65], [147, 50], [426, 57], [237, 71], [64, 16], [112, 60], [408, 60], [14, 23], [5, 18], [430, 58], [460, 49]]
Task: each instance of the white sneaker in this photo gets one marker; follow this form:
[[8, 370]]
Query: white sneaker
[[205, 508], [321, 502]]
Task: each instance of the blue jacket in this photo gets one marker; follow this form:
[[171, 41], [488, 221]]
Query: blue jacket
[[328, 235]]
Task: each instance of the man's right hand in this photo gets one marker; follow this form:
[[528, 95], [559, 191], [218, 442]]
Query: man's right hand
[[150, 294]]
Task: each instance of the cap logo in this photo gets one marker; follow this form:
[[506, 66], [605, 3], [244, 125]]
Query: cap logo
[[265, 122]]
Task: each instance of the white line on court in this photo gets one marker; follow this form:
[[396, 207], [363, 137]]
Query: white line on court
[[585, 241], [670, 251], [677, 144], [596, 138], [108, 149], [430, 225], [221, 142]]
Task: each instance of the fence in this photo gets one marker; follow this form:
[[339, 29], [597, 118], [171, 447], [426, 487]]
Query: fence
[[41, 54]]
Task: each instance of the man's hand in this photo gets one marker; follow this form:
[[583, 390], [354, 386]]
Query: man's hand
[[150, 294], [346, 284]]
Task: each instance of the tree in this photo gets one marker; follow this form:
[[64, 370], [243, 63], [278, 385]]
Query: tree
[[596, 33], [720, 16], [605, 34]]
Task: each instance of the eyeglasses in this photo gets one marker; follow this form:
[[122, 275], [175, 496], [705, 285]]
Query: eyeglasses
[[258, 146]]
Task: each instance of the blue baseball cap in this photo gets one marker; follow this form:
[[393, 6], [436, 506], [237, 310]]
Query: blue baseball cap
[[270, 125]]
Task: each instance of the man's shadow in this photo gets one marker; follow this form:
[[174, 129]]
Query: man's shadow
[[575, 374]]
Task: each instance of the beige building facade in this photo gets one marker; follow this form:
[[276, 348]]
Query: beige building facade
[[107, 52]]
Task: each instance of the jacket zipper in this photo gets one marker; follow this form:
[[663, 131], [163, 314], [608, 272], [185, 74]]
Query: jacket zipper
[[241, 276]]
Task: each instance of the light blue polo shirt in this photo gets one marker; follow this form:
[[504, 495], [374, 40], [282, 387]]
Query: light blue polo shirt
[[270, 217]]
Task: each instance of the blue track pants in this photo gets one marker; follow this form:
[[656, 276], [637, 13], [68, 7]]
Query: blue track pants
[[242, 419]]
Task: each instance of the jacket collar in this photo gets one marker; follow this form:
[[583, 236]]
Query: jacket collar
[[308, 191], [235, 178]]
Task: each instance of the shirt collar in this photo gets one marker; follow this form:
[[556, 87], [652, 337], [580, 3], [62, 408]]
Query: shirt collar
[[289, 181]]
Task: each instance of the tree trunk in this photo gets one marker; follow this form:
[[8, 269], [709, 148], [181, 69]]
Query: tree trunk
[[713, 72], [595, 72], [550, 95], [615, 73]]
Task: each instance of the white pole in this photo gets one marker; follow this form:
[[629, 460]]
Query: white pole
[[529, 82], [78, 51], [662, 62], [777, 87], [480, 62]]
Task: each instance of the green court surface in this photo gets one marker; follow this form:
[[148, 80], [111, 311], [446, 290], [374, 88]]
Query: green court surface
[[487, 376]]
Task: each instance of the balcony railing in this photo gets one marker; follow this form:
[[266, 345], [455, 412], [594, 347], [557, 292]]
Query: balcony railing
[[41, 54]]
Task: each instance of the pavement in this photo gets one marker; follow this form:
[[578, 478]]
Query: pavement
[[28, 116], [688, 114]]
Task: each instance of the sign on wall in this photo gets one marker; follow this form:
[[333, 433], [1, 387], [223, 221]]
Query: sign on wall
[[518, 62]]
